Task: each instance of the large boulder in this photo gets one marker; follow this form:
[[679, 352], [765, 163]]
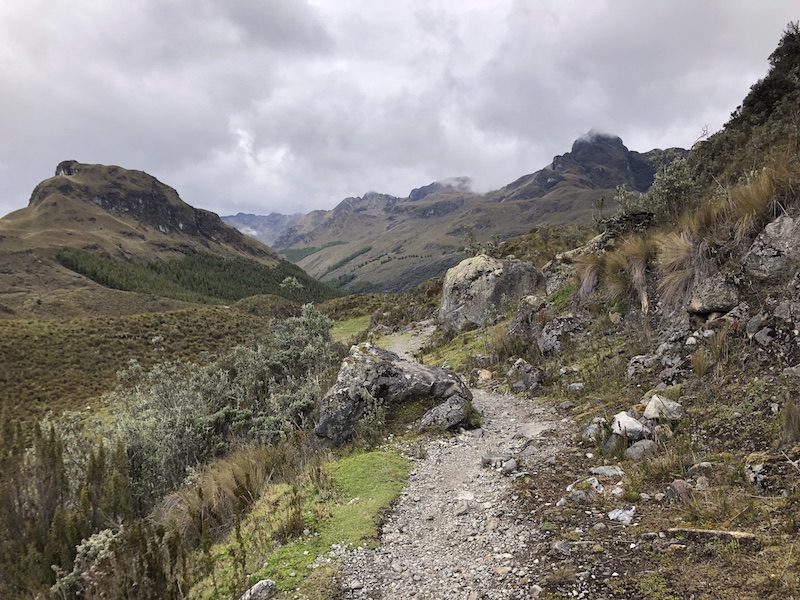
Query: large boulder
[[371, 374], [775, 254], [477, 288]]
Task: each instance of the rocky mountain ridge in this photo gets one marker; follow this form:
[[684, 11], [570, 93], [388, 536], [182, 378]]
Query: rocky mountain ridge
[[400, 242]]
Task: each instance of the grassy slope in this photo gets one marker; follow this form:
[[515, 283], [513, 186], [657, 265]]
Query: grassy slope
[[61, 364]]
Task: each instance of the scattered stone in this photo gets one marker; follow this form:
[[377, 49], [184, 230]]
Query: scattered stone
[[640, 449], [576, 387], [607, 471], [623, 515], [627, 427], [261, 591], [663, 409], [711, 534], [447, 415], [702, 484], [792, 371], [713, 294], [494, 460], [461, 509], [596, 433], [641, 364], [509, 466], [662, 433], [754, 325], [561, 547], [679, 490], [567, 405], [549, 340], [704, 468], [763, 336]]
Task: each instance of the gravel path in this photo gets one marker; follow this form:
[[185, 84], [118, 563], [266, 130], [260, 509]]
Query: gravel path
[[456, 531]]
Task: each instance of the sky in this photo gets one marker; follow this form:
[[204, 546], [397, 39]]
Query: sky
[[290, 106]]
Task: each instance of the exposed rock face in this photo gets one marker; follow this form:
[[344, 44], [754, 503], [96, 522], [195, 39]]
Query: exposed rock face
[[713, 295], [476, 289], [370, 374], [773, 257]]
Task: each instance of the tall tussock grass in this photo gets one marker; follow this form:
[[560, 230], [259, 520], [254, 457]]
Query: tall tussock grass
[[622, 272], [698, 242], [212, 501]]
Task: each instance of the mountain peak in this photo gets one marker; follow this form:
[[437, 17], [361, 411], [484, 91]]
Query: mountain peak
[[134, 199], [596, 136]]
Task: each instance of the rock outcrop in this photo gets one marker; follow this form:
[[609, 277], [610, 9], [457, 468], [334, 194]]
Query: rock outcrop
[[477, 288], [371, 375], [713, 295], [775, 254]]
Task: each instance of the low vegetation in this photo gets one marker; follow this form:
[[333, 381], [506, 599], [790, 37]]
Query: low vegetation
[[201, 277], [64, 364], [108, 481]]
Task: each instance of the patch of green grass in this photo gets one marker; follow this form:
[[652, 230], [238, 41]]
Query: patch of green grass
[[348, 329], [459, 351], [655, 587], [561, 298], [344, 508]]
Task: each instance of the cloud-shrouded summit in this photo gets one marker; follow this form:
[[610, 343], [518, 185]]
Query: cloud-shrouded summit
[[290, 106]]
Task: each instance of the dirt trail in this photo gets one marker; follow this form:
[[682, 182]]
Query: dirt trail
[[456, 530]]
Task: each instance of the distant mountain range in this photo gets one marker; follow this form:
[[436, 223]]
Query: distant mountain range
[[265, 229], [379, 242]]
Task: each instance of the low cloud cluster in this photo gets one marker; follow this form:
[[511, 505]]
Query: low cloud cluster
[[290, 106]]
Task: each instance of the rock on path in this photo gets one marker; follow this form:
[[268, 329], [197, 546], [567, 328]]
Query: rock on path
[[454, 532]]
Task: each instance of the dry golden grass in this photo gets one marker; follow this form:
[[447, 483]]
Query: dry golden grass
[[215, 497], [588, 267], [621, 271]]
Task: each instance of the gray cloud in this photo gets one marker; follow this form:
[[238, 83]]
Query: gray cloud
[[290, 106]]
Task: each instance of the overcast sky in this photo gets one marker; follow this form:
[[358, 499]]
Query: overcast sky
[[288, 106]]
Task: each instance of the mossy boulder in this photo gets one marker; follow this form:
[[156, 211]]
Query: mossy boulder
[[479, 288]]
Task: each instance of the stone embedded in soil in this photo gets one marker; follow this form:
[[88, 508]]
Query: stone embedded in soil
[[623, 515], [626, 426], [607, 471], [640, 449], [663, 409]]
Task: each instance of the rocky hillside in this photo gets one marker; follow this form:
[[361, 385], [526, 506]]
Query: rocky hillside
[[113, 221], [384, 243]]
